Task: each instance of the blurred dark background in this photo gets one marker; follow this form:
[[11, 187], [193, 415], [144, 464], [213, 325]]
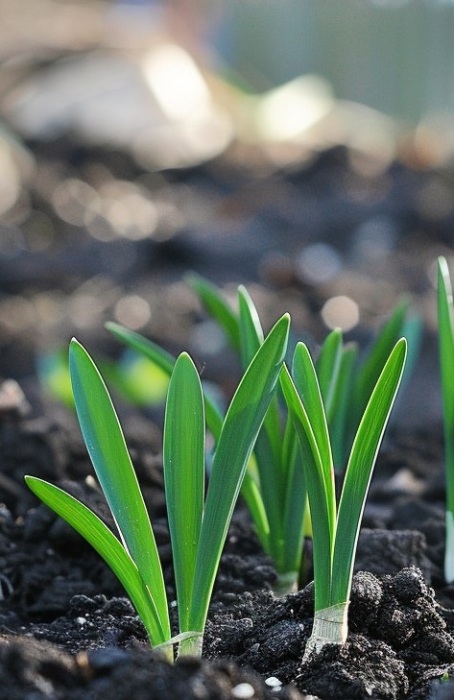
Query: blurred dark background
[[303, 148]]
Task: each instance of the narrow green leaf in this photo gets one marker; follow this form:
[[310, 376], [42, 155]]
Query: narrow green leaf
[[107, 545], [272, 484], [379, 353], [164, 361], [214, 303], [328, 366], [306, 382], [110, 458], [319, 499], [184, 474], [412, 330], [359, 470], [156, 354], [250, 329], [250, 491], [268, 444], [295, 500], [341, 405], [241, 426]]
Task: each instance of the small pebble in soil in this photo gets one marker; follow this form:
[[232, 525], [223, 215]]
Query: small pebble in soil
[[273, 682], [243, 691]]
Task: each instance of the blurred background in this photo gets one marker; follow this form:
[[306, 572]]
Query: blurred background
[[301, 147], [392, 55]]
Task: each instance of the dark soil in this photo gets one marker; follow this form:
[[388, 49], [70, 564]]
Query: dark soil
[[67, 631]]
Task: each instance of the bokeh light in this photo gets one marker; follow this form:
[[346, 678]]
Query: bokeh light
[[340, 312]]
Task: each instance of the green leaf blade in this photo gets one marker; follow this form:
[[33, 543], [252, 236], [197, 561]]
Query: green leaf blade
[[184, 475], [106, 446], [379, 353], [306, 383], [328, 366], [359, 470], [320, 500], [341, 405], [216, 306], [268, 445], [249, 327], [251, 494], [241, 426], [98, 535], [294, 511]]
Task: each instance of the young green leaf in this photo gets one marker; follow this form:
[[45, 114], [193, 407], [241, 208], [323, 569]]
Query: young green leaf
[[249, 326], [359, 470], [378, 354], [268, 445], [328, 367], [294, 511], [184, 475], [216, 306], [307, 385], [321, 495], [110, 458], [341, 405], [251, 493], [233, 450], [108, 546]]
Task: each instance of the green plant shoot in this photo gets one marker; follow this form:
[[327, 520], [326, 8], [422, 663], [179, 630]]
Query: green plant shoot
[[446, 353], [198, 525], [274, 485], [336, 528]]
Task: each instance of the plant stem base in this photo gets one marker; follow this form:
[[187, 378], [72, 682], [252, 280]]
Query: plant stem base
[[330, 627]]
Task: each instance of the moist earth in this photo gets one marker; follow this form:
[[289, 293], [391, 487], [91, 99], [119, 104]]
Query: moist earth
[[67, 631]]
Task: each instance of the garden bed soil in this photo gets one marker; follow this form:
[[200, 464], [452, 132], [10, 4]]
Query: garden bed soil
[[69, 632], [66, 629]]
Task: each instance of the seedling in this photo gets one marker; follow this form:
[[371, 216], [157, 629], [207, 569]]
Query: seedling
[[446, 352], [274, 485], [198, 525], [336, 528]]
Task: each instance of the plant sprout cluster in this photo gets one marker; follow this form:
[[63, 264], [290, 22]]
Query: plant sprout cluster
[[274, 485], [291, 425]]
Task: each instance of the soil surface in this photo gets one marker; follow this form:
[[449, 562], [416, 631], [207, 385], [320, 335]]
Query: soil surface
[[67, 631]]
